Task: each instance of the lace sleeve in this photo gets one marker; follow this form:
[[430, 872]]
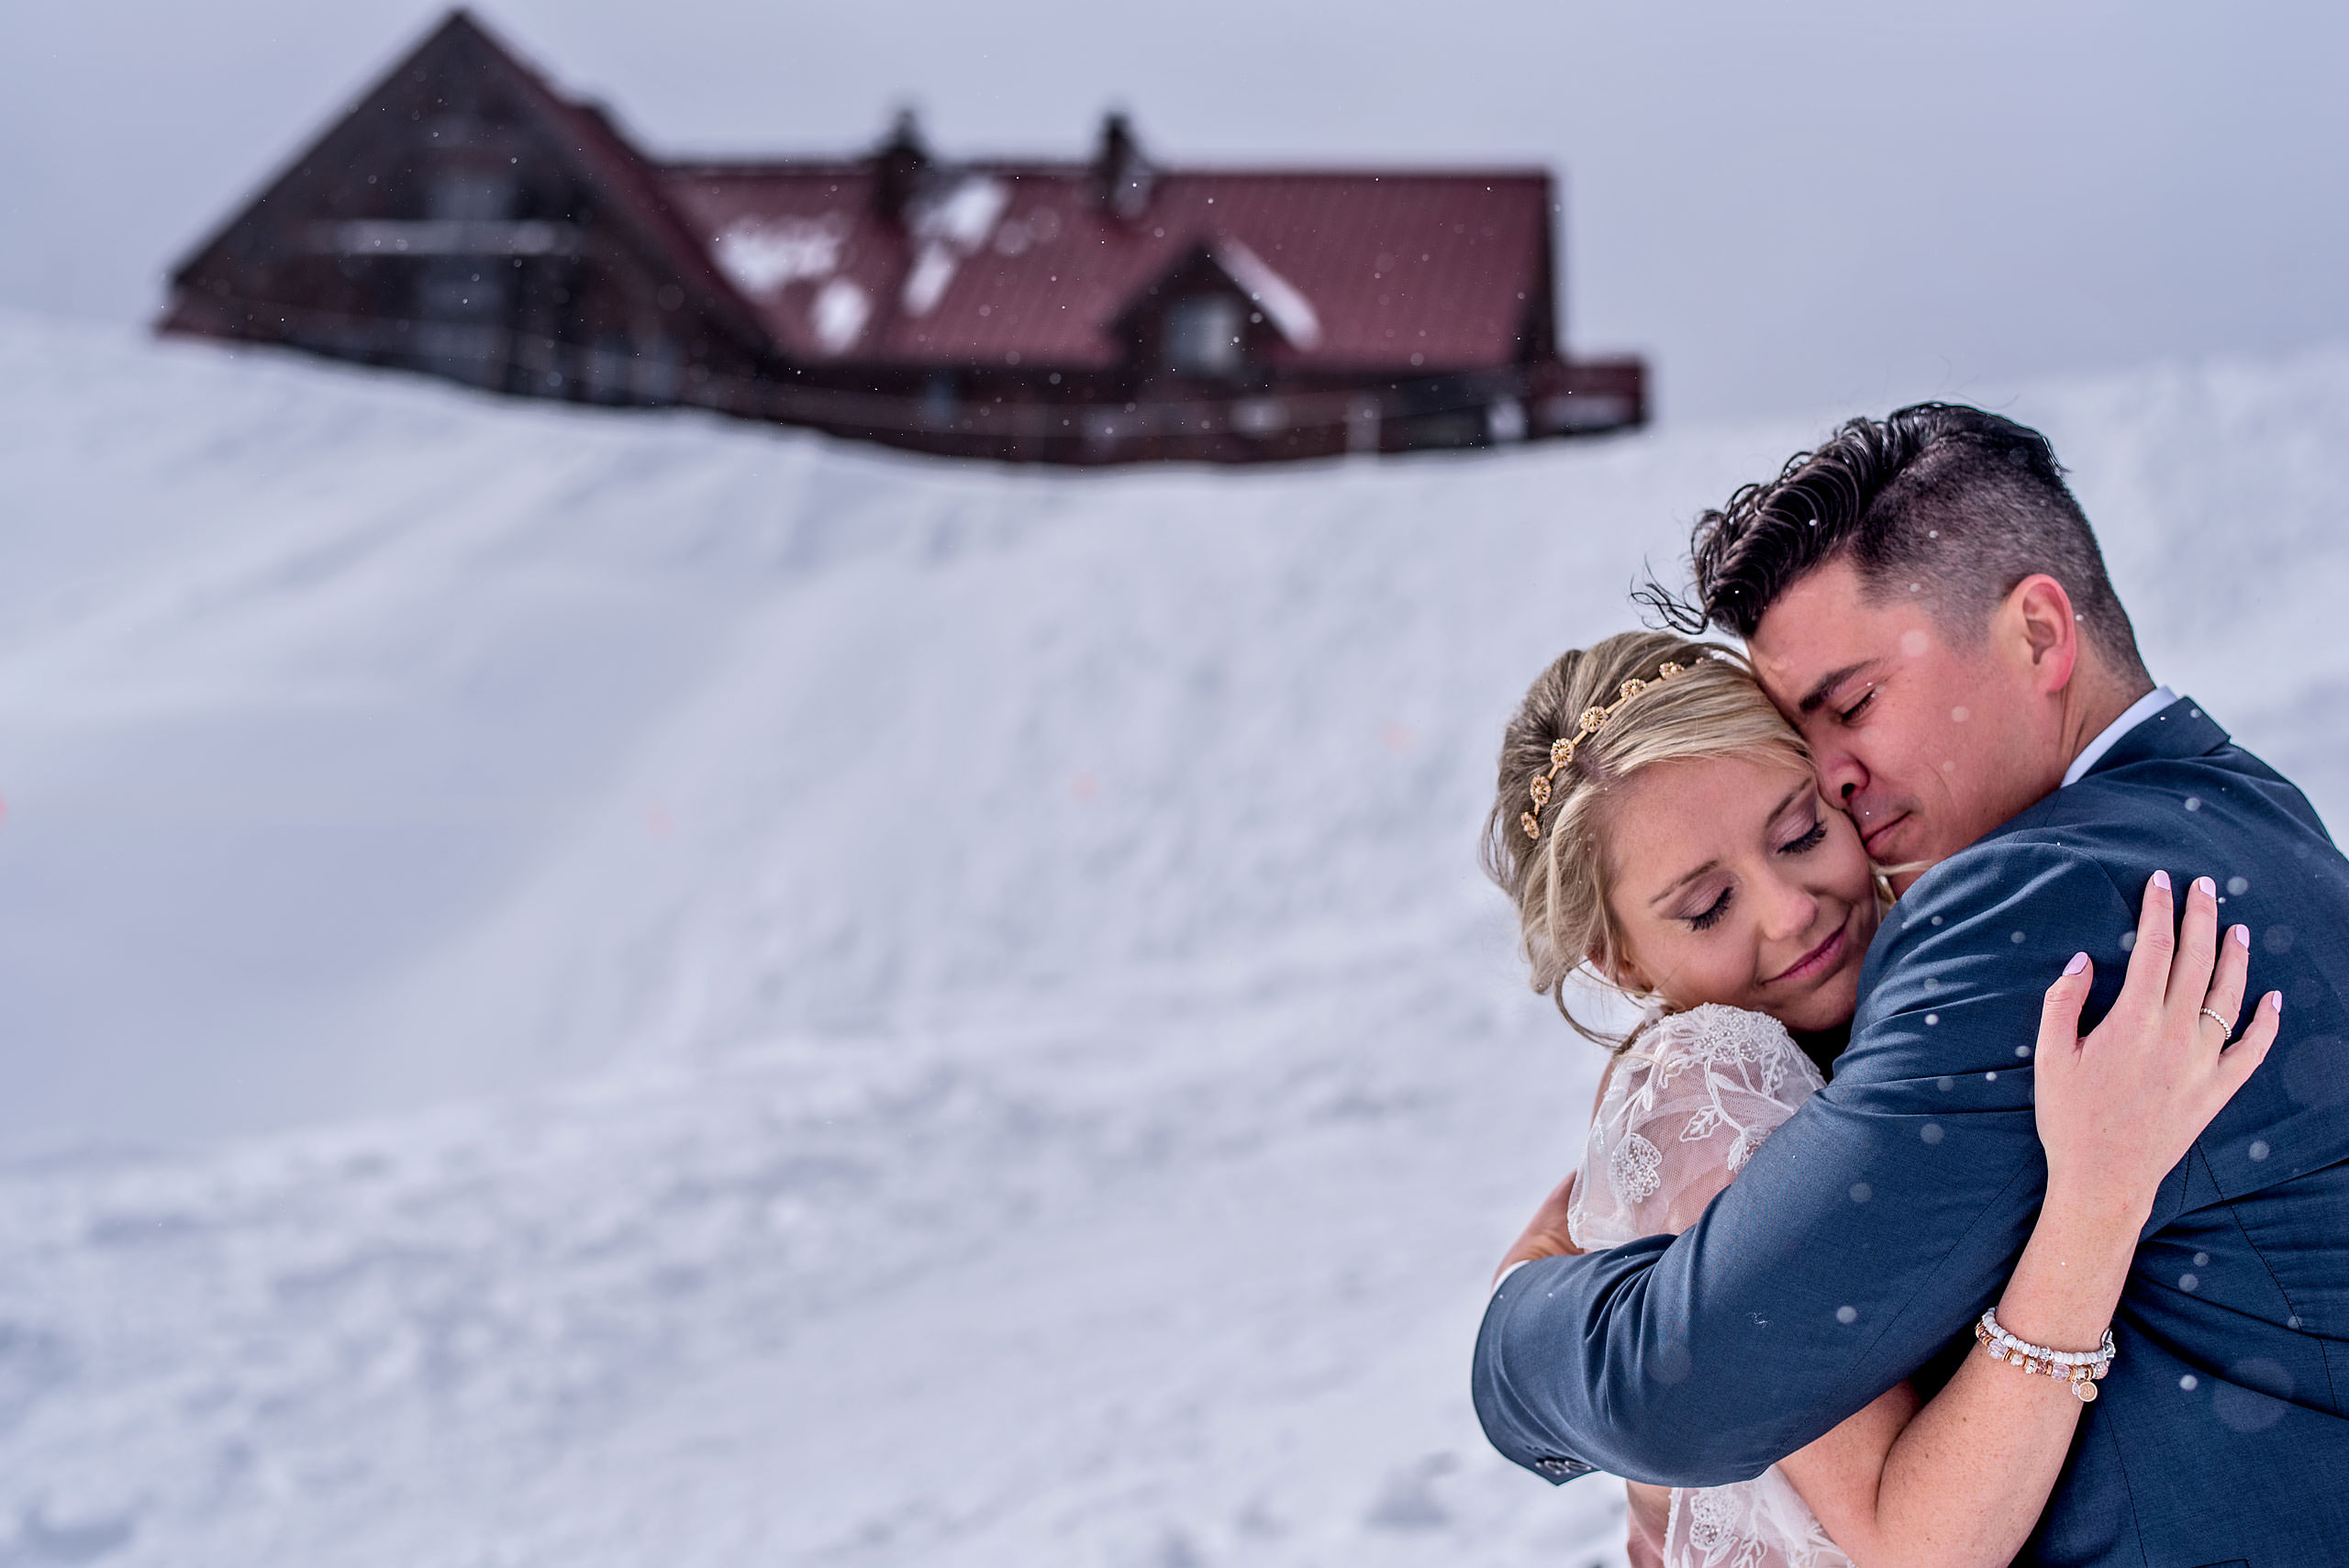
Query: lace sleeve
[[1683, 1109]]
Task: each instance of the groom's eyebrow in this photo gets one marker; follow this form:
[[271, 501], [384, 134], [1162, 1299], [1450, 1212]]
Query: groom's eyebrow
[[1826, 687]]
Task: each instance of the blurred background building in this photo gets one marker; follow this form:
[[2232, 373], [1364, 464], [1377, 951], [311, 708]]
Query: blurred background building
[[468, 220]]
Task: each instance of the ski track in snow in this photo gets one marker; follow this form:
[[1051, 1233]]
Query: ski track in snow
[[601, 989]]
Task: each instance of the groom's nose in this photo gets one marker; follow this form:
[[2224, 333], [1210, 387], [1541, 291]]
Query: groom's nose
[[1841, 775]]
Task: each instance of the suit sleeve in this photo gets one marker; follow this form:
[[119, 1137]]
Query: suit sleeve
[[1871, 1229]]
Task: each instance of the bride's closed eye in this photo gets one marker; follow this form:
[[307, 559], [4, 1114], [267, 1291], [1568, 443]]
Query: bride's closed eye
[[1809, 840], [1705, 919]]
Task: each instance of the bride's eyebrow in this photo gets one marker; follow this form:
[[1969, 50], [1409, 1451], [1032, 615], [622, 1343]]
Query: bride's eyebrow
[[1775, 812], [1807, 786], [1683, 881]]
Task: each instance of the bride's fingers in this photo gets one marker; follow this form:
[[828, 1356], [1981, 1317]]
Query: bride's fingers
[[2241, 1060], [2225, 997], [2197, 945], [2059, 1013], [2148, 978]]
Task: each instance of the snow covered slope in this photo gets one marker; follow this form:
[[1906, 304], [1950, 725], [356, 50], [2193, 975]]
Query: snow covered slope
[[616, 990]]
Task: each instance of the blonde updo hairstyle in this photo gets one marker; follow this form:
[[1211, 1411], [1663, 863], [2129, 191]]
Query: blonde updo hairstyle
[[1561, 881]]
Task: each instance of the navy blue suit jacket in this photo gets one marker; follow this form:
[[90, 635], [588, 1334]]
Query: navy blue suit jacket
[[1864, 1238]]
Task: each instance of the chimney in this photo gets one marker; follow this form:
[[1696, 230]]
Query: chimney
[[1121, 175], [899, 167]]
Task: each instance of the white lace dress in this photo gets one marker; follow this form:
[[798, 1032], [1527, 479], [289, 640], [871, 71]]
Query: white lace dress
[[1685, 1108]]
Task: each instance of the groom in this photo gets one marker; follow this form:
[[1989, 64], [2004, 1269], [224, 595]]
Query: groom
[[1923, 598]]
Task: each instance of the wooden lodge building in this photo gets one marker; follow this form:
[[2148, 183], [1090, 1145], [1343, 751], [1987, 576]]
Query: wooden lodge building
[[467, 220]]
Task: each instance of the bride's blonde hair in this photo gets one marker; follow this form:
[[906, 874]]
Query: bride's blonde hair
[[1541, 842]]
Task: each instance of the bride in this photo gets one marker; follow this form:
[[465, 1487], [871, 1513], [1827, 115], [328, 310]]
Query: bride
[[1658, 827]]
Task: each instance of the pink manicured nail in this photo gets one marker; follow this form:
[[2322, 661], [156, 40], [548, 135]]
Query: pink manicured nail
[[2275, 1000], [2241, 935], [2079, 961], [2161, 880], [2204, 886]]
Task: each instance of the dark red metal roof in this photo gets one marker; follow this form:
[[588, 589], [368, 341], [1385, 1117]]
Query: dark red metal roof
[[1391, 309], [626, 176], [1358, 271]]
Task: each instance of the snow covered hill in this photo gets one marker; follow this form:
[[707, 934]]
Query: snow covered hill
[[615, 990]]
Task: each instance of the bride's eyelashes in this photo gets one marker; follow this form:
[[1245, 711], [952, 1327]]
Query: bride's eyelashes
[[1705, 919], [1809, 840]]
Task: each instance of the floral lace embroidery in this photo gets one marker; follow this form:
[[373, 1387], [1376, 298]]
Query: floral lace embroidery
[[1683, 1111], [1742, 1150], [1760, 1523], [1632, 1169], [1734, 1049], [1716, 1532]]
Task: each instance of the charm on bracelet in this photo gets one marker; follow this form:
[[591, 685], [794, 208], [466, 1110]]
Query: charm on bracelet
[[2081, 1370]]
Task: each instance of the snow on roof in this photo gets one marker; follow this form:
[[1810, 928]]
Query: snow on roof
[[1290, 311], [1360, 272], [1355, 269], [764, 257]]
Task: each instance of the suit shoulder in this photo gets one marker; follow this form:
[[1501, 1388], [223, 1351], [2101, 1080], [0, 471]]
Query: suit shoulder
[[2020, 864], [1997, 920], [2155, 796]]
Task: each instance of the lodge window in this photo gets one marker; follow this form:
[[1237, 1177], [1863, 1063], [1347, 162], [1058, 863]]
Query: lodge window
[[462, 287], [1202, 336], [471, 194], [940, 405]]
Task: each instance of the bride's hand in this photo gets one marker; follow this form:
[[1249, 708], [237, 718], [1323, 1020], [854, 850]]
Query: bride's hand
[[1545, 1235], [2118, 1110]]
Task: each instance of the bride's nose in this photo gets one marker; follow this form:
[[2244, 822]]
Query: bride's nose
[[1788, 910]]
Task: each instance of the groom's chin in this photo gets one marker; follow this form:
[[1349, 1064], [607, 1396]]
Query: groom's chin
[[1908, 842], [1905, 851]]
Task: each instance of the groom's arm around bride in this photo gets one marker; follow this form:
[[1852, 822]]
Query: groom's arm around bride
[[1924, 599]]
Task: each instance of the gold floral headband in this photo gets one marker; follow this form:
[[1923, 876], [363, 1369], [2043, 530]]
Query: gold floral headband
[[1562, 749]]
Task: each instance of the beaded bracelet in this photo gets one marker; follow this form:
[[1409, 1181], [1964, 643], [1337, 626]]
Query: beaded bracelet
[[2081, 1369]]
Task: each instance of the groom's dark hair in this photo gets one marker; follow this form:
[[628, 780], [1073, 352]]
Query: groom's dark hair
[[1960, 501]]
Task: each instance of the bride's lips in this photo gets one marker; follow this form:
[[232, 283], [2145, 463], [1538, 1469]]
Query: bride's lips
[[1819, 960]]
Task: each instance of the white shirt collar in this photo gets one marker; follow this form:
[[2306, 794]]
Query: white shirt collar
[[2143, 709]]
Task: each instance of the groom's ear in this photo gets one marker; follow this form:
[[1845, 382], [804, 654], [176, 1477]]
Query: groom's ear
[[2042, 630]]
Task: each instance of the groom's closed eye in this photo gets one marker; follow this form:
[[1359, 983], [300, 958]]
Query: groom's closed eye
[[1826, 686]]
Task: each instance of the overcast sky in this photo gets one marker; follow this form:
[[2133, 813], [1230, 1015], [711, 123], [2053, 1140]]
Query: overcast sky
[[1789, 207]]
